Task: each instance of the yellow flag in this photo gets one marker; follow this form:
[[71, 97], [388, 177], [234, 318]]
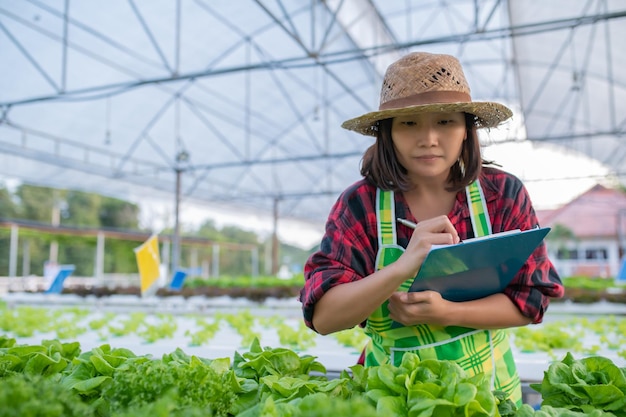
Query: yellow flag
[[148, 261]]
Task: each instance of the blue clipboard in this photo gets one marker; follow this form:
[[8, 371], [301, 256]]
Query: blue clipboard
[[477, 268]]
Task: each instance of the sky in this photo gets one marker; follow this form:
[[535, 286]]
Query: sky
[[553, 177]]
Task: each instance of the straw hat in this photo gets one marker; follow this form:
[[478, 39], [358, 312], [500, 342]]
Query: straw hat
[[421, 82]]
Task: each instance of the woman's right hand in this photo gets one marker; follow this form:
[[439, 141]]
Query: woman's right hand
[[436, 231], [363, 296]]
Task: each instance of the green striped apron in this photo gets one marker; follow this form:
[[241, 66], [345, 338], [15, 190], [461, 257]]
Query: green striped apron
[[475, 350]]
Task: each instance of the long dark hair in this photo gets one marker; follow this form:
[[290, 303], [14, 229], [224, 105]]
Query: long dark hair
[[381, 166]]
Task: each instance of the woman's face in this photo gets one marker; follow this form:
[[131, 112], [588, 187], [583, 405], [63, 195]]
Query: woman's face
[[428, 144]]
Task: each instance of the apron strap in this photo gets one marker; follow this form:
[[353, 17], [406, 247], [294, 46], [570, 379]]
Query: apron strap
[[479, 215], [385, 215]]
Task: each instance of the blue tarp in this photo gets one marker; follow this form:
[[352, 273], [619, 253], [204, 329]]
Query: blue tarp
[[63, 272], [178, 280]]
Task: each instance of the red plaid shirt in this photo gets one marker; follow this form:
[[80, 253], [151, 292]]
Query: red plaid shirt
[[348, 249]]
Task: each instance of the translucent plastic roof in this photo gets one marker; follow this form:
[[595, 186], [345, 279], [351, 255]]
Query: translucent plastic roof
[[242, 100]]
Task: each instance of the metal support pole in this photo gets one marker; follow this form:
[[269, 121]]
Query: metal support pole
[[99, 267], [193, 259], [205, 269], [176, 237], [165, 252], [56, 220], [216, 260], [275, 240], [255, 262], [25, 259], [621, 246], [267, 258], [13, 251], [621, 233]]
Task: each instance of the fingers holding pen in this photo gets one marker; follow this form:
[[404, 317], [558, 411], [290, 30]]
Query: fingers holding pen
[[435, 231]]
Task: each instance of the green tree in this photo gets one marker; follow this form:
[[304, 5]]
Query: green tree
[[560, 235], [233, 261], [8, 209], [208, 230], [82, 209], [36, 203], [30, 203], [77, 209], [90, 210], [118, 214], [238, 261], [120, 256]]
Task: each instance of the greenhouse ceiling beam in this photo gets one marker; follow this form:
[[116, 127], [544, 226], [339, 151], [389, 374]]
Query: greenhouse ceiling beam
[[285, 23], [477, 24], [279, 160], [153, 181], [77, 165], [311, 52], [609, 74], [551, 70], [56, 158], [518, 31], [85, 51], [280, 196], [89, 165], [291, 31], [57, 143], [158, 182], [29, 57], [152, 38], [83, 27], [331, 57], [279, 81], [148, 166], [567, 136], [366, 31]]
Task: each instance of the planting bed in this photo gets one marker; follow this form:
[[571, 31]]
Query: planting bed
[[183, 319], [218, 327]]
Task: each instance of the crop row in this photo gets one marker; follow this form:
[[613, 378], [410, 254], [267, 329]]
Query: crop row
[[58, 379], [69, 323]]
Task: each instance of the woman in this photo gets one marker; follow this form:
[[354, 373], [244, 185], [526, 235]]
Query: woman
[[425, 167]]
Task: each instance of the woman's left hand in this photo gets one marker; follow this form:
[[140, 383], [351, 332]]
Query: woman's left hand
[[422, 307]]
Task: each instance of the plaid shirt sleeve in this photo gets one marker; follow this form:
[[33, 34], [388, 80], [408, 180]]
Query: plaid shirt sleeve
[[538, 281], [347, 251]]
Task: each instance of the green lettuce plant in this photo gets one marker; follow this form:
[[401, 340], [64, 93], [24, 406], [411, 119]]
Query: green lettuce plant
[[584, 385]]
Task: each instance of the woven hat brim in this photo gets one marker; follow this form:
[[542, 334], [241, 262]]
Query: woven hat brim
[[489, 114]]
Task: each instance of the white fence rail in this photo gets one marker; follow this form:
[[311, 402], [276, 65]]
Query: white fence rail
[[38, 283]]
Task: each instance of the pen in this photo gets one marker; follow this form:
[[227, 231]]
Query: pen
[[407, 223], [412, 225]]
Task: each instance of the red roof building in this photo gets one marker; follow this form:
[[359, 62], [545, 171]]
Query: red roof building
[[597, 222]]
